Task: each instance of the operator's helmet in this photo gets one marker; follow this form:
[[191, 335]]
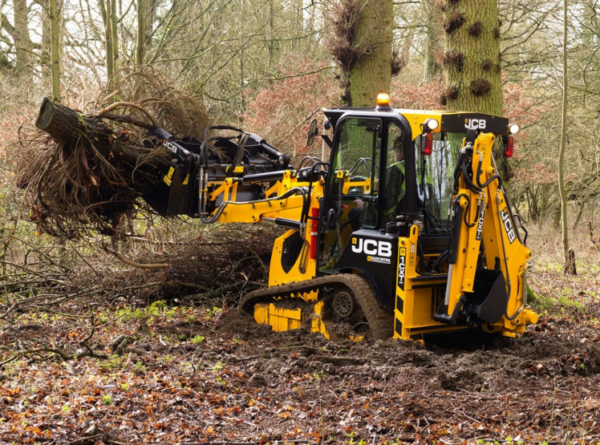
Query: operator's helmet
[[398, 148]]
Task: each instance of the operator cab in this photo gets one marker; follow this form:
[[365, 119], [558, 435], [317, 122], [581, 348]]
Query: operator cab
[[390, 169]]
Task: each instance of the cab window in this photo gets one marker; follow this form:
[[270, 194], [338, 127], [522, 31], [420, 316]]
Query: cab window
[[435, 179], [395, 173]]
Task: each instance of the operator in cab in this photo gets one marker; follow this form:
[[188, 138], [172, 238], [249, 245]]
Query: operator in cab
[[395, 188]]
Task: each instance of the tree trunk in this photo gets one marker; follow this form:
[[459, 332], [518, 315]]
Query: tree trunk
[[54, 49], [405, 49], [569, 254], [150, 7], [66, 125], [472, 62], [434, 19], [242, 68], [114, 17], [299, 20], [271, 41], [141, 32], [23, 44], [570, 265], [45, 54], [72, 130], [472, 56], [372, 73], [108, 34]]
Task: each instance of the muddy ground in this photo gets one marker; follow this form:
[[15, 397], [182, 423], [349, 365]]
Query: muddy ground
[[206, 375]]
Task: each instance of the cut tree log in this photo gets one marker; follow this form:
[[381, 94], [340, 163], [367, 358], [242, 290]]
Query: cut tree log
[[94, 137]]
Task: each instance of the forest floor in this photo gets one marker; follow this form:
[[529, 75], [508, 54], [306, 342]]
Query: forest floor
[[163, 374]]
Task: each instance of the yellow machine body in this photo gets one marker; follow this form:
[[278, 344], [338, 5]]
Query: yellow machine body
[[423, 303]]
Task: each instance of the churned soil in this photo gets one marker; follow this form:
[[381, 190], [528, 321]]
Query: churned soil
[[210, 376]]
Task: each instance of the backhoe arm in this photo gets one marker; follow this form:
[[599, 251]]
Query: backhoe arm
[[488, 261]]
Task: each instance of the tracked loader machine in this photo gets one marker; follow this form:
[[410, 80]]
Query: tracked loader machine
[[405, 231]]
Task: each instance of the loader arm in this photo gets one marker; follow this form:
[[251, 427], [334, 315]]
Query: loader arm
[[242, 179]]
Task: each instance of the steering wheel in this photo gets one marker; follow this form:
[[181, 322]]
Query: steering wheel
[[357, 178], [361, 161]]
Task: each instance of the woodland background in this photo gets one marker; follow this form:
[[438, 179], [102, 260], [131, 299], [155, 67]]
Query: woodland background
[[152, 341]]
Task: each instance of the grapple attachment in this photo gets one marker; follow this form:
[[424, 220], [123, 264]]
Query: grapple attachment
[[209, 163]]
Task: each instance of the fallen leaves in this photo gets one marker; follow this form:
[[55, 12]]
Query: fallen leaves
[[177, 389]]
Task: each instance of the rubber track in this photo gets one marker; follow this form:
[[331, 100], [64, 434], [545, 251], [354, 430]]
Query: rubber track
[[381, 321]]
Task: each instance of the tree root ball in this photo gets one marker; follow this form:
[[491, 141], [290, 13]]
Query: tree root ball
[[83, 173]]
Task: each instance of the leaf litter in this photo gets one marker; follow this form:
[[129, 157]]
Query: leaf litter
[[210, 375]]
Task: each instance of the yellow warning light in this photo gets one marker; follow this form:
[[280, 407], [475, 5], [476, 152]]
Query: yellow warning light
[[383, 100]]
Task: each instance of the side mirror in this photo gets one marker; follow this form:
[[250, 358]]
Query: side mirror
[[312, 132]]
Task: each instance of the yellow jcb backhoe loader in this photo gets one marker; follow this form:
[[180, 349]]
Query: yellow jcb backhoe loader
[[405, 231]]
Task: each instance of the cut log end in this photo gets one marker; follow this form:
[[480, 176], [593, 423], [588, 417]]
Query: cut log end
[[66, 125], [45, 115]]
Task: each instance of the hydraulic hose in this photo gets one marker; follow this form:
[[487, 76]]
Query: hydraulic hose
[[467, 179], [489, 181]]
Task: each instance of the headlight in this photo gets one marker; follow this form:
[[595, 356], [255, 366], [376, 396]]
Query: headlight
[[431, 124]]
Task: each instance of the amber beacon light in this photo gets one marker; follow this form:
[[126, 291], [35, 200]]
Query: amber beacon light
[[383, 100]]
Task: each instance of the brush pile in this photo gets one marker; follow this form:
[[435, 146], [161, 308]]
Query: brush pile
[[84, 172]]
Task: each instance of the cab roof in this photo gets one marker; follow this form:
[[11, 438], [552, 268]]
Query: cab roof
[[450, 121]]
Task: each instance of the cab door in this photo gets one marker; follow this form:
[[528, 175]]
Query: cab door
[[351, 196]]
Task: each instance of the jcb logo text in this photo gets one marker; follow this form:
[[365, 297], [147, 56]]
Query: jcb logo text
[[475, 124], [510, 231], [372, 247], [171, 146]]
